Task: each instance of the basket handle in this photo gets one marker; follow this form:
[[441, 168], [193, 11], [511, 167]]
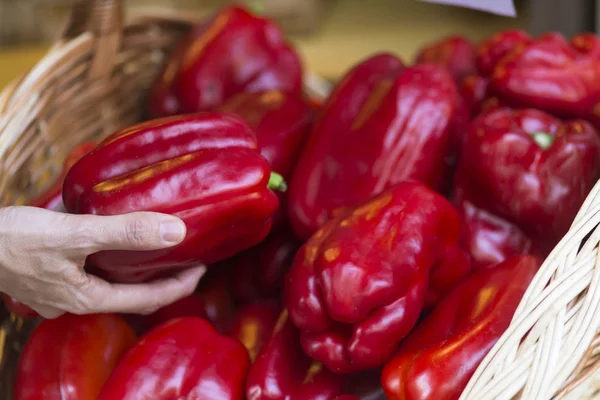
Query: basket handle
[[103, 19]]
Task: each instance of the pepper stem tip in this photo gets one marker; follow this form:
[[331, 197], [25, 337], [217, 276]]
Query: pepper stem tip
[[543, 139], [276, 182]]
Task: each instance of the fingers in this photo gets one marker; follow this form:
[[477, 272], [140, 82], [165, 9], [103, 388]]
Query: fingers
[[134, 231], [103, 297]]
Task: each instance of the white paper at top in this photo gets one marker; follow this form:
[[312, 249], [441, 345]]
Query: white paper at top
[[500, 7]]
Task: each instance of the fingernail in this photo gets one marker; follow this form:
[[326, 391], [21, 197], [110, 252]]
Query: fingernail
[[172, 231]]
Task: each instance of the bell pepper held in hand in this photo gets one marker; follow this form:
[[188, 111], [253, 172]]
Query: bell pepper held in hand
[[253, 325], [528, 169], [233, 52], [456, 53], [283, 372], [183, 358], [357, 287], [382, 124], [70, 358], [204, 168], [439, 357], [552, 75]]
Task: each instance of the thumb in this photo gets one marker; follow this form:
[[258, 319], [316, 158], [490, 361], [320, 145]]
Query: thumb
[[134, 231]]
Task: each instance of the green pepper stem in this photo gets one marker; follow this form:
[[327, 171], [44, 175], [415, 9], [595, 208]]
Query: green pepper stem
[[543, 139], [276, 182]]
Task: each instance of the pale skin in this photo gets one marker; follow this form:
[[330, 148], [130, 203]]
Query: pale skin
[[42, 254]]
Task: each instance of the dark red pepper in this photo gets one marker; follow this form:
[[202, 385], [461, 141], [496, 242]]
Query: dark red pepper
[[524, 174], [365, 385], [253, 325], [552, 75], [184, 358], [219, 304], [70, 358], [190, 306], [381, 125], [438, 358], [233, 52], [204, 168], [282, 121], [456, 53], [357, 287], [283, 372]]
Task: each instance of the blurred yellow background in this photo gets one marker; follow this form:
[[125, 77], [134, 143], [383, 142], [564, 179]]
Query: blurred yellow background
[[349, 30]]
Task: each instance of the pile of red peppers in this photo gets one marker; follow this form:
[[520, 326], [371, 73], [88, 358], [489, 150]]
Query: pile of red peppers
[[373, 245]]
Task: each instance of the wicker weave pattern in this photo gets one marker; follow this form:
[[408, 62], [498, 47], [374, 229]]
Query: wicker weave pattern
[[94, 81]]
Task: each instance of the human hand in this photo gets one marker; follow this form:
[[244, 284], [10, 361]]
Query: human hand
[[42, 254]]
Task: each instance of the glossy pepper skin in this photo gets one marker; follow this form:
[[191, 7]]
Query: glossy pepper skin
[[179, 359], [381, 125], [553, 75], [438, 358], [259, 272], [204, 168], [51, 199], [282, 121], [233, 52], [357, 287], [70, 358], [283, 372], [253, 325], [456, 53], [525, 173]]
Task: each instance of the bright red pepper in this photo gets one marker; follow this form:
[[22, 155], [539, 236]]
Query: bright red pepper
[[456, 53], [523, 171], [382, 124], [70, 358], [492, 50], [552, 75], [283, 372], [282, 121], [183, 358], [204, 168], [260, 271], [442, 353], [234, 52], [357, 287], [253, 325]]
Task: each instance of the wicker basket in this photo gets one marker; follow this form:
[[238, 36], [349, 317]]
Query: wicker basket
[[94, 80]]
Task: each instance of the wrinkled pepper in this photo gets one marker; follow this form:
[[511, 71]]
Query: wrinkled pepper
[[253, 325], [51, 199], [439, 357], [382, 124], [357, 287], [70, 358], [183, 358], [204, 168], [233, 52], [553, 75], [259, 272], [523, 177], [283, 372], [282, 121], [456, 53]]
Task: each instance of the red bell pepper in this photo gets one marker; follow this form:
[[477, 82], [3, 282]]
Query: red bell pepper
[[492, 50], [282, 121], [259, 272], [190, 306], [204, 168], [456, 53], [552, 75], [219, 304], [531, 172], [70, 358], [234, 52], [253, 325], [383, 124], [442, 353], [183, 358], [282, 370], [357, 287]]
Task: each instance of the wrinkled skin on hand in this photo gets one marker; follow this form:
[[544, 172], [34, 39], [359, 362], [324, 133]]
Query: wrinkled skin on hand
[[358, 286]]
